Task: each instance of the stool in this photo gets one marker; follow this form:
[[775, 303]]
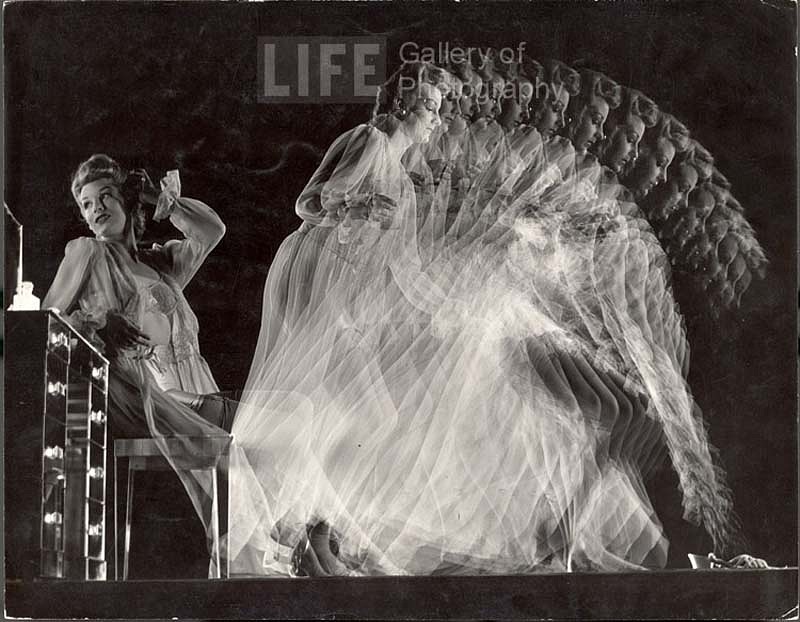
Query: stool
[[209, 453]]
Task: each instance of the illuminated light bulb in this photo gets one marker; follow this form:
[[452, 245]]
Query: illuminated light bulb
[[59, 339], [98, 373], [96, 530], [97, 416], [96, 472], [53, 518], [53, 453], [56, 388]]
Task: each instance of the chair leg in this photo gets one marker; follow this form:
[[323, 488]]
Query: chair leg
[[128, 520], [215, 511], [225, 514], [116, 517]]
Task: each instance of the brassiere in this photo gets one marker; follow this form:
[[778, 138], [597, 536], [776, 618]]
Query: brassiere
[[159, 305]]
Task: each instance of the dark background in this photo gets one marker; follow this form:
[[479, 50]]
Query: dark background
[[163, 85]]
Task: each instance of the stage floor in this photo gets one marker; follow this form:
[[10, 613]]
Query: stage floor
[[673, 594]]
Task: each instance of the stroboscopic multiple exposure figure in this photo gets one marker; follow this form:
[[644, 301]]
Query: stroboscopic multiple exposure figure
[[470, 358]]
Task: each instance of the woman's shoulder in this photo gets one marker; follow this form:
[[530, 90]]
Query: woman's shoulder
[[368, 132], [354, 141], [82, 246], [365, 145], [360, 130]]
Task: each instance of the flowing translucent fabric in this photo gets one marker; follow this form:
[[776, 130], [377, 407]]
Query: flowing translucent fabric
[[96, 278], [366, 298], [470, 361], [480, 371]]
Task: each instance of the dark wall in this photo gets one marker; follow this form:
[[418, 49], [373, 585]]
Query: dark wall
[[163, 85]]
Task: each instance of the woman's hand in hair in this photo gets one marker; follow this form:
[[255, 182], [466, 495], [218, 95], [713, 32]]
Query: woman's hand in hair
[[148, 191]]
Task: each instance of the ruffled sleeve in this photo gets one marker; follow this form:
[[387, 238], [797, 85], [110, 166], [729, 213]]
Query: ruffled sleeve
[[202, 229], [309, 203]]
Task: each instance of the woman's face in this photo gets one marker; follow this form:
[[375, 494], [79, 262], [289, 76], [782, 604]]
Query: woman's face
[[549, 118], [651, 169], [484, 64], [449, 108], [681, 184], [510, 113], [588, 127], [446, 110], [702, 202], [458, 119], [102, 208], [424, 116], [623, 144], [488, 102], [514, 104], [468, 104], [674, 194], [524, 97]]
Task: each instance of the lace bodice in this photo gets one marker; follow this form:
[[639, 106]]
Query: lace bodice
[[96, 277], [167, 320]]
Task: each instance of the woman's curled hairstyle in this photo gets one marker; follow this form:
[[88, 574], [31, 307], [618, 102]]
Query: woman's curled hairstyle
[[670, 128], [130, 184], [398, 95], [596, 84], [549, 79]]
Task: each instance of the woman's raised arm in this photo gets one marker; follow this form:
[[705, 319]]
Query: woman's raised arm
[[202, 228]]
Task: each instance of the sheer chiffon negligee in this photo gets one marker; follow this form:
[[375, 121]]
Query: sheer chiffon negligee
[[96, 277], [483, 395]]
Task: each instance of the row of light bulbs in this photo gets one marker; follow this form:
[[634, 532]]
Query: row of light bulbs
[[57, 518], [59, 388]]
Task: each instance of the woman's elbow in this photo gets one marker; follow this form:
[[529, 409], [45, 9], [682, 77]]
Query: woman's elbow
[[214, 232], [219, 232]]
